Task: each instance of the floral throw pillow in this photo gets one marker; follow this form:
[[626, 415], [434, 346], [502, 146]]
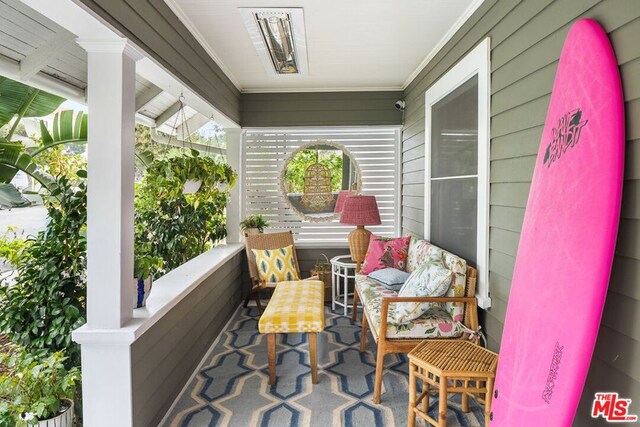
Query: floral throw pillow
[[431, 279], [276, 265], [386, 252]]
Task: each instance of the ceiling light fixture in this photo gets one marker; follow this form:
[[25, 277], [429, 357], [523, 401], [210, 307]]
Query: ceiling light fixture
[[279, 38]]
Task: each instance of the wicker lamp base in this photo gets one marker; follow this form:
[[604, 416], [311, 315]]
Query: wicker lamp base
[[359, 244]]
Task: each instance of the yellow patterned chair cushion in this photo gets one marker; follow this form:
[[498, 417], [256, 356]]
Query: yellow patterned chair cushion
[[294, 307], [276, 265]]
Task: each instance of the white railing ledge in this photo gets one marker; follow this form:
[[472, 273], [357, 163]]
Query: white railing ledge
[[166, 293]]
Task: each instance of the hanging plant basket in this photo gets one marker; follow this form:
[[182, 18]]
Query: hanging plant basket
[[63, 419], [191, 186]]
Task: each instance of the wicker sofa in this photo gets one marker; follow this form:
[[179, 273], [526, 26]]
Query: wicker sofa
[[453, 317]]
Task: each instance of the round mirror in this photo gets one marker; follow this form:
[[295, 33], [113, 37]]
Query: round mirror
[[312, 177]]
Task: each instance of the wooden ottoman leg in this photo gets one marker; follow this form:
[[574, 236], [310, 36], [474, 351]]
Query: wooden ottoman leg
[[411, 416], [363, 332], [442, 403], [313, 358], [271, 355]]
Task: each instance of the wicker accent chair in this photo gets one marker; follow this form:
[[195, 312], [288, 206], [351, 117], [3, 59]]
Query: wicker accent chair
[[259, 242], [387, 345]]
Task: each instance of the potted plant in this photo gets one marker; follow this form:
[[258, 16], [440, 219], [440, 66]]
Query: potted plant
[[144, 266], [36, 391], [254, 224]]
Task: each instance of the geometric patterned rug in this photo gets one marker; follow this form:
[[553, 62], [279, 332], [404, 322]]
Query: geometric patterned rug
[[231, 388]]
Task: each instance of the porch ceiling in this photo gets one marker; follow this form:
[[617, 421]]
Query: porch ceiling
[[354, 45], [34, 47]]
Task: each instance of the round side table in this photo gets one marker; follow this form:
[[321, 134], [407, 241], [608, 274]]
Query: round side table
[[343, 268]]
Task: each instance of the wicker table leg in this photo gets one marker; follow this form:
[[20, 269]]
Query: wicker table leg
[[487, 401], [442, 403], [411, 416], [465, 396]]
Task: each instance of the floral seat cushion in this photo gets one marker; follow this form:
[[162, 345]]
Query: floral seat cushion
[[434, 323]]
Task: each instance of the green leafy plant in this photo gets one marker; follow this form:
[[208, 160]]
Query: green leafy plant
[[145, 266], [47, 301], [254, 221], [32, 388], [174, 226], [13, 246]]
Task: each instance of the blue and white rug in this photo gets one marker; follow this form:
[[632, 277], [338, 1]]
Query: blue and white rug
[[231, 388]]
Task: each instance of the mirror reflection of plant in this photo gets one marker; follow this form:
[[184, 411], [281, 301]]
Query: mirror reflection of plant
[[47, 301], [305, 158], [175, 226]]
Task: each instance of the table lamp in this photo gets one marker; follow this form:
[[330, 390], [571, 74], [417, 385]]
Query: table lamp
[[359, 211], [342, 196]]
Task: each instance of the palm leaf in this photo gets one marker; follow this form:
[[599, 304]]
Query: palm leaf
[[19, 160], [10, 197], [66, 130], [16, 97]]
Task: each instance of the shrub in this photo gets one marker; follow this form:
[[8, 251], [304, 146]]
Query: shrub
[[47, 302], [31, 388]]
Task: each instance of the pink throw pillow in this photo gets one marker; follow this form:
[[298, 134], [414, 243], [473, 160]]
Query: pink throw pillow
[[386, 252]]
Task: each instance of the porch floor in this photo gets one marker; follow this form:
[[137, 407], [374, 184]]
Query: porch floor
[[231, 385]]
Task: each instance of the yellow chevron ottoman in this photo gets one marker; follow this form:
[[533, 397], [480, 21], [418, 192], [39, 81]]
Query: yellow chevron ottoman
[[295, 307]]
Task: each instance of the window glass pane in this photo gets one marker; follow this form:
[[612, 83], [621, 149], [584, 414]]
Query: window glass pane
[[454, 216], [454, 132]]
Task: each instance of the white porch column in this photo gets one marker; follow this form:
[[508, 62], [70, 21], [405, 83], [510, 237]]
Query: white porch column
[[106, 362], [234, 159], [111, 95]]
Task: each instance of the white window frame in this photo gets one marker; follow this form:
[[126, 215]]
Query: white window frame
[[475, 63]]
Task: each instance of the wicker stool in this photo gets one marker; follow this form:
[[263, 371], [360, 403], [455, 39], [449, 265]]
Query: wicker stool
[[450, 366]]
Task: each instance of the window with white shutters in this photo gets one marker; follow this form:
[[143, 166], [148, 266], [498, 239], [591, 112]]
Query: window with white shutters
[[376, 150]]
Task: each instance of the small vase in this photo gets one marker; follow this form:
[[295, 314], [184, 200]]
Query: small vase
[[143, 288], [65, 419], [253, 231], [191, 186]]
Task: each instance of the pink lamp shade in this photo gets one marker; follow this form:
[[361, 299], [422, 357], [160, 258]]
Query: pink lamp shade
[[342, 196], [360, 210]]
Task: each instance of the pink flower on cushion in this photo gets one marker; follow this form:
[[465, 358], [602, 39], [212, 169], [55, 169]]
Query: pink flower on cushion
[[445, 327], [458, 317], [384, 252]]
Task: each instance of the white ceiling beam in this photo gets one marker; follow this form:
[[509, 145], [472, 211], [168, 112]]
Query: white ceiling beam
[[145, 120], [147, 96], [192, 125], [39, 58], [11, 69], [174, 142], [167, 114], [154, 73]]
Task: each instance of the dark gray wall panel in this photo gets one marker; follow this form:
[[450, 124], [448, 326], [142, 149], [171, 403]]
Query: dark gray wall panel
[[526, 40], [320, 109], [164, 358], [154, 27]]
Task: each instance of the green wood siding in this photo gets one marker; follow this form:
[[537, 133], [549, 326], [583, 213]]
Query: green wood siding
[[154, 27], [320, 109], [526, 40]]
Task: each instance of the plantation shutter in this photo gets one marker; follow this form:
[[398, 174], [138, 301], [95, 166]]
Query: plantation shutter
[[376, 151]]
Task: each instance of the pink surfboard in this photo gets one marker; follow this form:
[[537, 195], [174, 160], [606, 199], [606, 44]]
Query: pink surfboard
[[568, 238]]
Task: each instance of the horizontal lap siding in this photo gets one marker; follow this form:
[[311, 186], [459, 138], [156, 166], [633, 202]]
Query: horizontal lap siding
[[526, 40], [320, 109], [153, 26], [164, 358]]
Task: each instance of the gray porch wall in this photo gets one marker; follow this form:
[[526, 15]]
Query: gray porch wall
[[526, 40], [153, 26], [164, 358], [320, 109]]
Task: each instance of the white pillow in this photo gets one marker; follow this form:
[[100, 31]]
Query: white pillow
[[429, 280]]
